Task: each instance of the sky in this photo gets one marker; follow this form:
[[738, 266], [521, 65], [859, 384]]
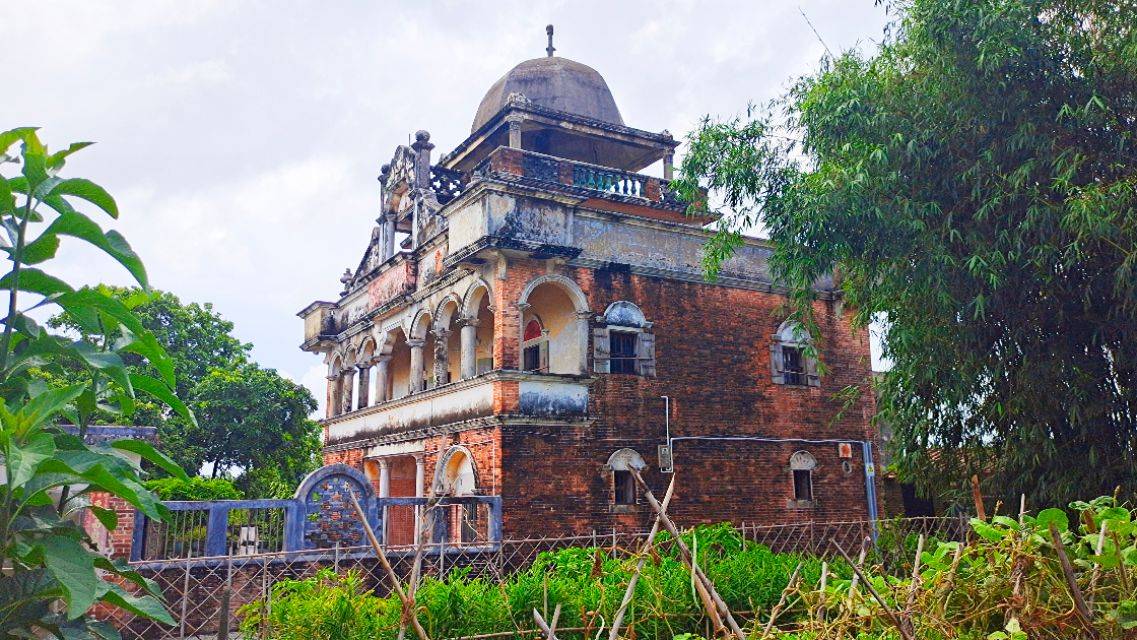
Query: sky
[[242, 139]]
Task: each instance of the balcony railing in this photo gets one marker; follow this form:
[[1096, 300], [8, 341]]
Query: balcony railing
[[581, 177]]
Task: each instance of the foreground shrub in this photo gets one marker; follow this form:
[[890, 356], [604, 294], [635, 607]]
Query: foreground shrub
[[588, 583]]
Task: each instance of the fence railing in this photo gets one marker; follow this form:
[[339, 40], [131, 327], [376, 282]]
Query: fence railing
[[219, 529], [205, 596]]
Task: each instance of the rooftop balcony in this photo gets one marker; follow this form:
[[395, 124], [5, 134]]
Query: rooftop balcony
[[580, 178], [502, 394]]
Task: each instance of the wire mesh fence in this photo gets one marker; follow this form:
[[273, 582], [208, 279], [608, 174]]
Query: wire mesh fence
[[204, 595]]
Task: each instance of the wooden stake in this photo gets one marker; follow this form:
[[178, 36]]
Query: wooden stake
[[781, 601], [549, 634], [896, 622], [1071, 581], [629, 593], [977, 496], [701, 578], [408, 605]]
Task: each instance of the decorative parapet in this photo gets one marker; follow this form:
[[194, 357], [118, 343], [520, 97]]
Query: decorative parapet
[[580, 178]]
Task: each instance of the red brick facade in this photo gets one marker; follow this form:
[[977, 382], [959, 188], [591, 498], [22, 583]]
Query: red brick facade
[[713, 361]]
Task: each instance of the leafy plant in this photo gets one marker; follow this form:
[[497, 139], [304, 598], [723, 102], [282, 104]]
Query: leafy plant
[[194, 488], [971, 184], [48, 470]]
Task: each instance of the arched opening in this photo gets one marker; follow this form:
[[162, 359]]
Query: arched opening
[[554, 327], [457, 476], [399, 372], [477, 340], [802, 464], [448, 343], [622, 463], [422, 333]]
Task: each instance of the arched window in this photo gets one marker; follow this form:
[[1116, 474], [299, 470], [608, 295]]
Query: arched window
[[624, 344], [802, 464], [790, 362], [535, 346], [621, 464]]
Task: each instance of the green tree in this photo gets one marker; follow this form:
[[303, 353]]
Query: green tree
[[255, 420], [266, 439], [46, 471], [971, 183], [197, 338]]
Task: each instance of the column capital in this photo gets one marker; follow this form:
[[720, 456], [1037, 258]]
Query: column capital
[[469, 322], [382, 462], [363, 366], [333, 378], [522, 306], [381, 359], [416, 343], [420, 457], [441, 332], [584, 315]]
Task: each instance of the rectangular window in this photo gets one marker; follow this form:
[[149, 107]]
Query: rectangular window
[[803, 485], [623, 352], [625, 487], [792, 366]]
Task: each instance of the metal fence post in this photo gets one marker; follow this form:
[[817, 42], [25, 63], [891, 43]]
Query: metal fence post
[[185, 599], [226, 594]]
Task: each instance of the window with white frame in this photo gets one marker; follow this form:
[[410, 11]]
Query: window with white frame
[[623, 489], [535, 346], [802, 464], [791, 362], [624, 342]]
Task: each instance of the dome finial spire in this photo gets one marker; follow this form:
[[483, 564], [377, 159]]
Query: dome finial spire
[[550, 49]]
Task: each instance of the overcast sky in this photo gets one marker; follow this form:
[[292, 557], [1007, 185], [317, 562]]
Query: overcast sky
[[243, 139]]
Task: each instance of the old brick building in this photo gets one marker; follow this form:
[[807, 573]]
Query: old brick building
[[528, 309]]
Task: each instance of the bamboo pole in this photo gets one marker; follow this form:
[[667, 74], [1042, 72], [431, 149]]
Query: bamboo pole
[[1071, 581], [408, 605], [892, 617], [701, 578], [629, 593]]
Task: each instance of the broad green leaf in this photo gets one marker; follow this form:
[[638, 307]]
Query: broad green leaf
[[162, 393], [74, 567], [106, 517], [58, 159], [146, 606], [12, 136], [1057, 516], [89, 191], [149, 453], [41, 249], [78, 225], [106, 361], [126, 489], [35, 281], [23, 458]]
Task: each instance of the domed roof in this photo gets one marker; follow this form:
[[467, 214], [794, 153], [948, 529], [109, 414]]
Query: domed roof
[[555, 83]]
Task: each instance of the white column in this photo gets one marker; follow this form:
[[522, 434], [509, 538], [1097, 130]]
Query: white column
[[420, 475], [347, 404], [382, 379], [441, 355], [364, 385], [416, 383], [582, 331], [333, 399], [420, 491], [384, 478], [469, 348]]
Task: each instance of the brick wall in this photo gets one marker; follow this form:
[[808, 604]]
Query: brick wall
[[713, 361], [712, 355]]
